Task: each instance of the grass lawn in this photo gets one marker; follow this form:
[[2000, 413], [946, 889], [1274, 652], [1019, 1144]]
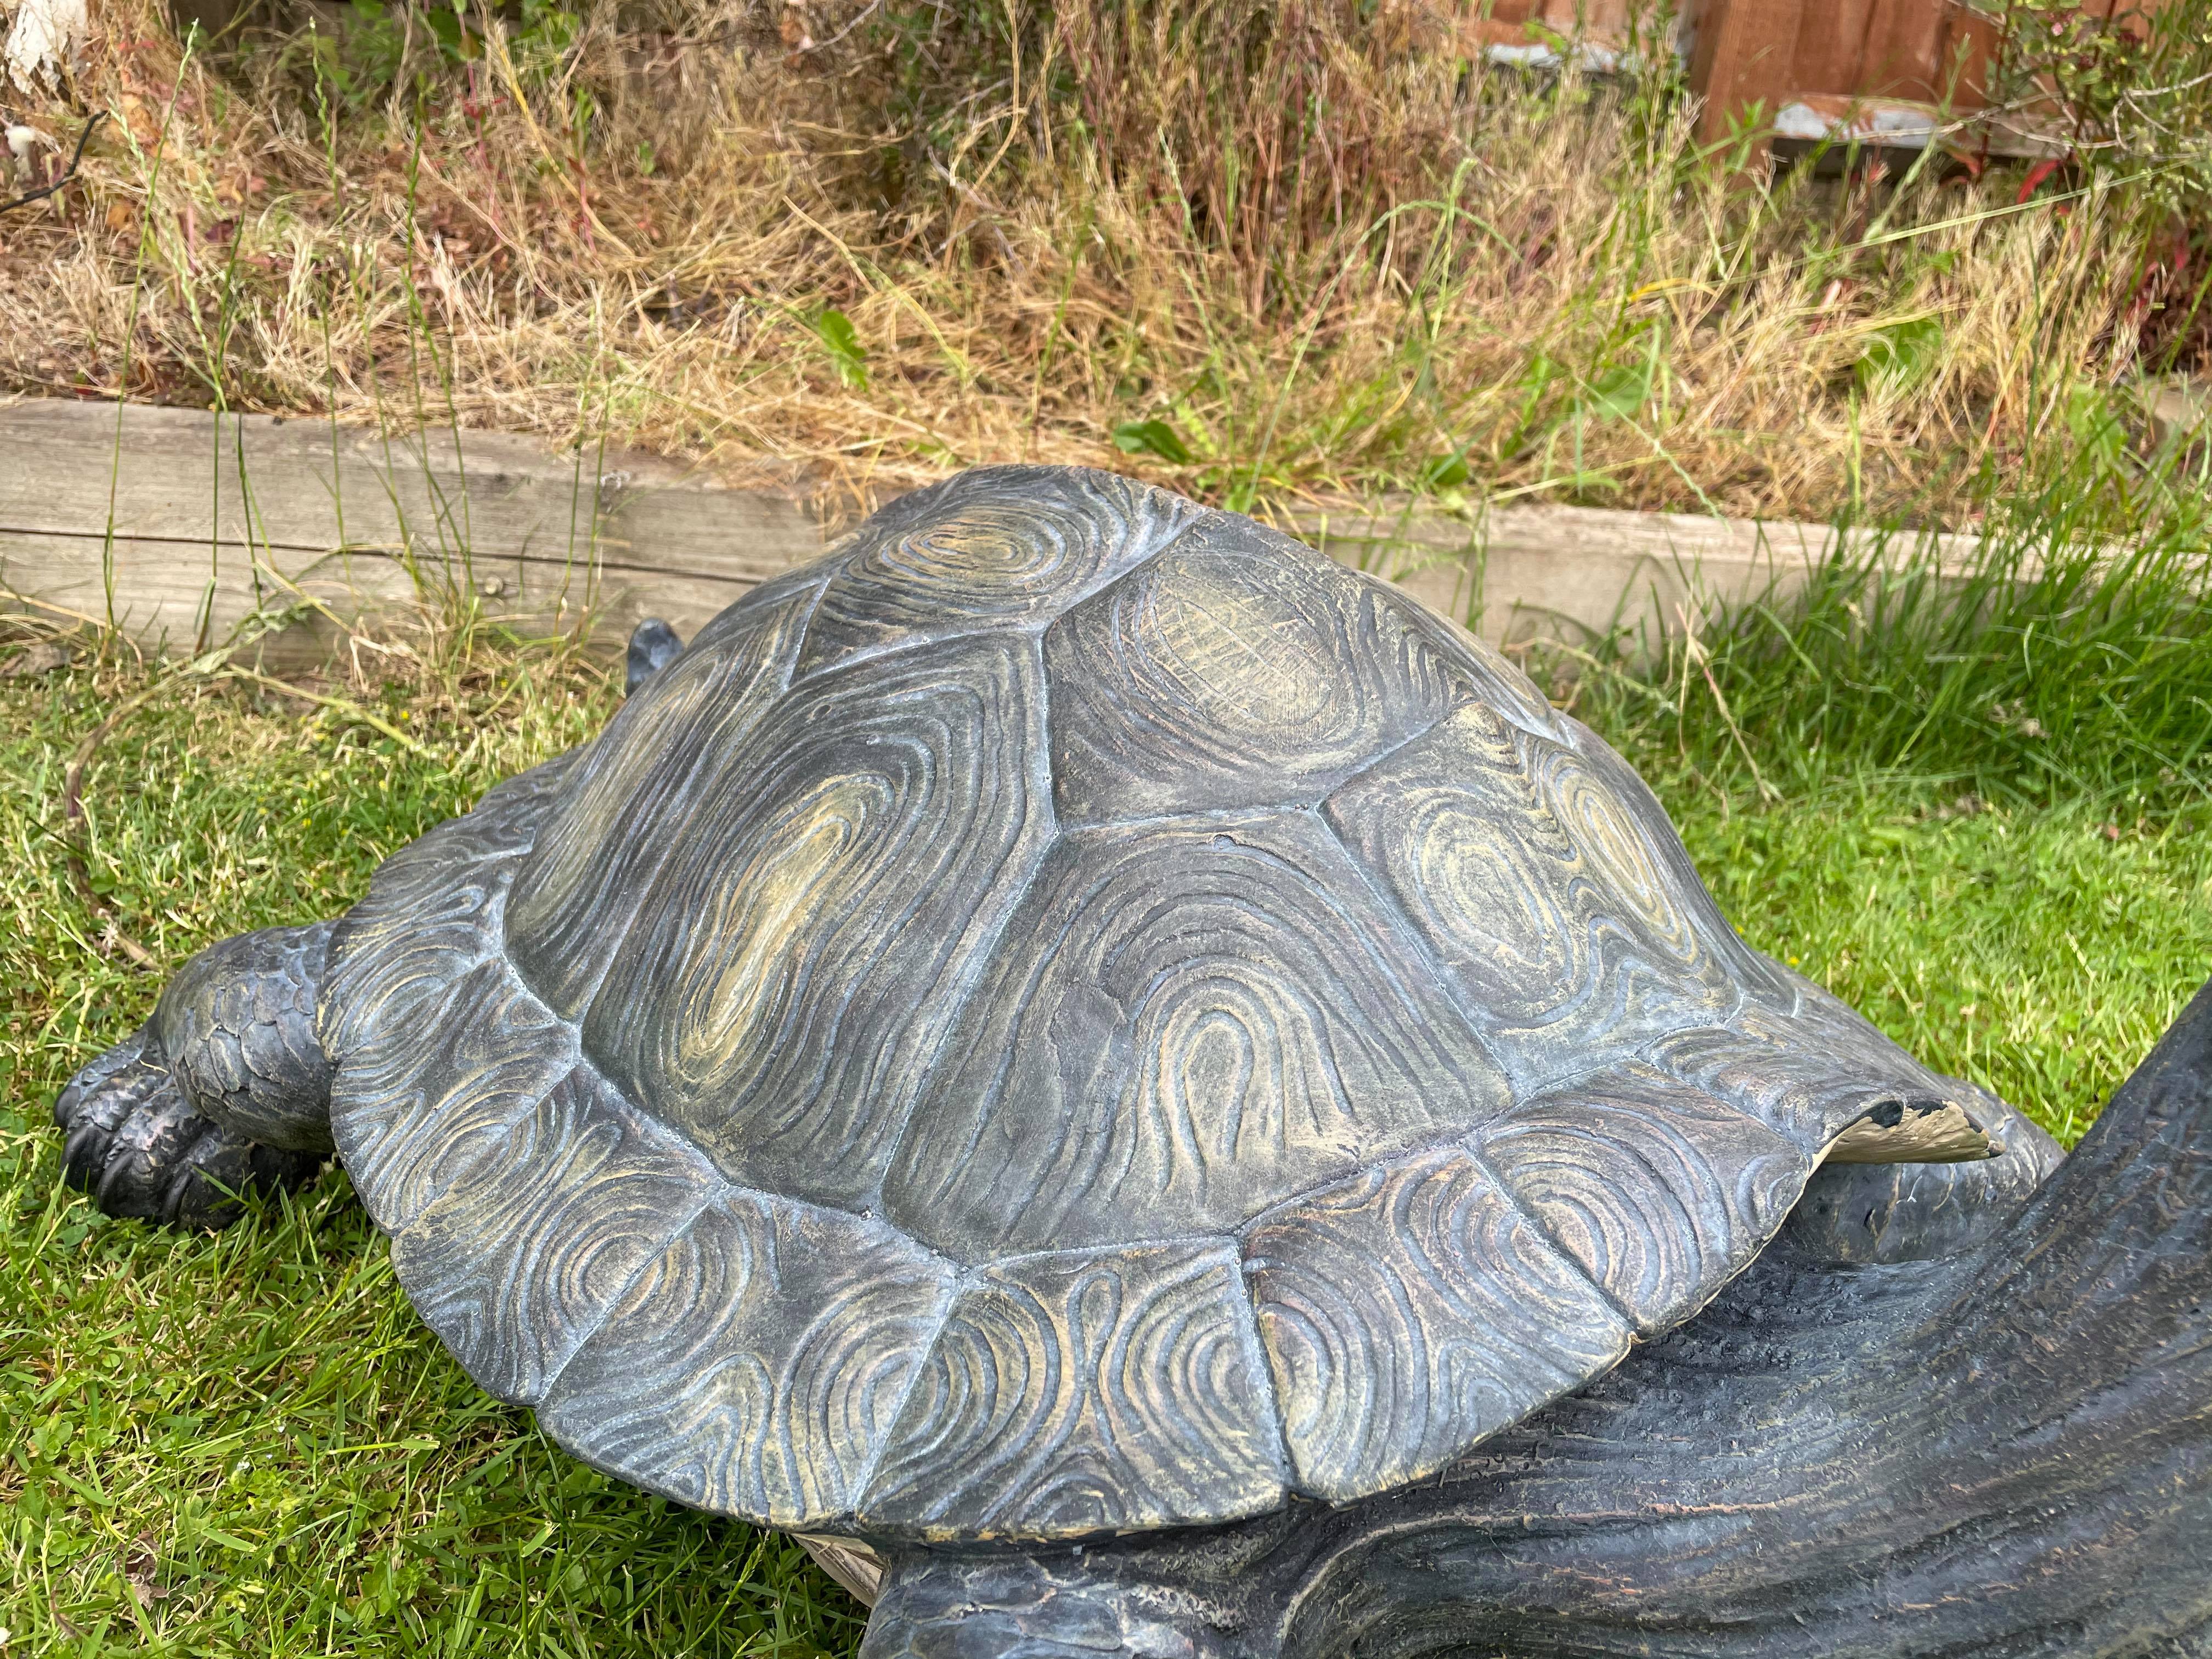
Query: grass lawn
[[246, 1444]]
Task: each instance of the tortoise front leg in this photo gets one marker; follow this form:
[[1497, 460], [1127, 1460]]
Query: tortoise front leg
[[225, 1090]]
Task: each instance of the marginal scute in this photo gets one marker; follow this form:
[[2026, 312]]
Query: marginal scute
[[523, 1255], [798, 957], [756, 1365], [990, 548], [1658, 1191], [1409, 1312], [409, 1115], [1236, 670], [1183, 1025], [635, 794], [1570, 936], [1821, 1074], [1082, 1393], [1887, 1213]]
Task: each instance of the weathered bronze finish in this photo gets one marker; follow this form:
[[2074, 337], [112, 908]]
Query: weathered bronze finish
[[1150, 1086]]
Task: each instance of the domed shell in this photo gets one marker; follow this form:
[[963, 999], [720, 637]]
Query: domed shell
[[1073, 1013]]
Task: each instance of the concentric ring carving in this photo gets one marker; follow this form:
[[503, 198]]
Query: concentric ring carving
[[636, 794], [756, 1365], [799, 956], [1086, 1393], [1565, 934], [992, 547], [1183, 1026], [1657, 1190], [521, 1256], [1237, 669], [1410, 1311]]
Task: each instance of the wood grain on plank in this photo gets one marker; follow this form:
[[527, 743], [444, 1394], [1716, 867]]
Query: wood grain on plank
[[519, 1258], [755, 1366], [798, 961], [1083, 1393], [179, 524], [536, 534], [1184, 1024], [1410, 1311], [999, 545]]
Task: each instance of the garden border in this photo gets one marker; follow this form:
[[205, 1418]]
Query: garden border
[[179, 526]]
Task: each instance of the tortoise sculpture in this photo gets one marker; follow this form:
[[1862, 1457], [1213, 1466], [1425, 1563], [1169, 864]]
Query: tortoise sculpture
[[1147, 1084]]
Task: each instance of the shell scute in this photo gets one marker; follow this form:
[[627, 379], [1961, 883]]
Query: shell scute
[[1408, 1312], [519, 1258], [996, 547], [1237, 669], [797, 957], [1086, 1392], [640, 791], [409, 1115], [1659, 1191], [1183, 1025], [756, 1365], [1569, 935]]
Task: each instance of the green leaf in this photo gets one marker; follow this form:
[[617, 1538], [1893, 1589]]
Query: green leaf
[[1619, 394], [1446, 471], [851, 357], [1152, 438], [1901, 356], [454, 37]]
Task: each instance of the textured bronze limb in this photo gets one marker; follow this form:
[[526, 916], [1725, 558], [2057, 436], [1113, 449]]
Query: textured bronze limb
[[225, 1090]]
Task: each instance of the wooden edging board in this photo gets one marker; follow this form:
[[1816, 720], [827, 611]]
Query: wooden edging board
[[180, 525]]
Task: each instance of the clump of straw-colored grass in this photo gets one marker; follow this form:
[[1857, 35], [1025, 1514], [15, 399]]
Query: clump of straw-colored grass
[[1254, 251]]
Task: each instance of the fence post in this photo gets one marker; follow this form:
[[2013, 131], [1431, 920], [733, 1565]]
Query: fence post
[[1745, 53]]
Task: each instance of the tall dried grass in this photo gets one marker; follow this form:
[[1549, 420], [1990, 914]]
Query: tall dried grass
[[1252, 250]]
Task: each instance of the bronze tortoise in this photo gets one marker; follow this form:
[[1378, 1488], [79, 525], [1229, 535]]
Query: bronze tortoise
[[1147, 1084]]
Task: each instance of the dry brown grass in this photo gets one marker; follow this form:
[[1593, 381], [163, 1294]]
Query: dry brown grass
[[1330, 255]]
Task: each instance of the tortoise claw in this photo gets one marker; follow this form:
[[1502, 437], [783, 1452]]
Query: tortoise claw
[[140, 1149]]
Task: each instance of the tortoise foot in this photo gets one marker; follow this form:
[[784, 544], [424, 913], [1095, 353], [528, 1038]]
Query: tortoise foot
[[136, 1145]]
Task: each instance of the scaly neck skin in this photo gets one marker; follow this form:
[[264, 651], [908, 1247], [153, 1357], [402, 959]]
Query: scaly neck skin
[[2008, 1452]]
